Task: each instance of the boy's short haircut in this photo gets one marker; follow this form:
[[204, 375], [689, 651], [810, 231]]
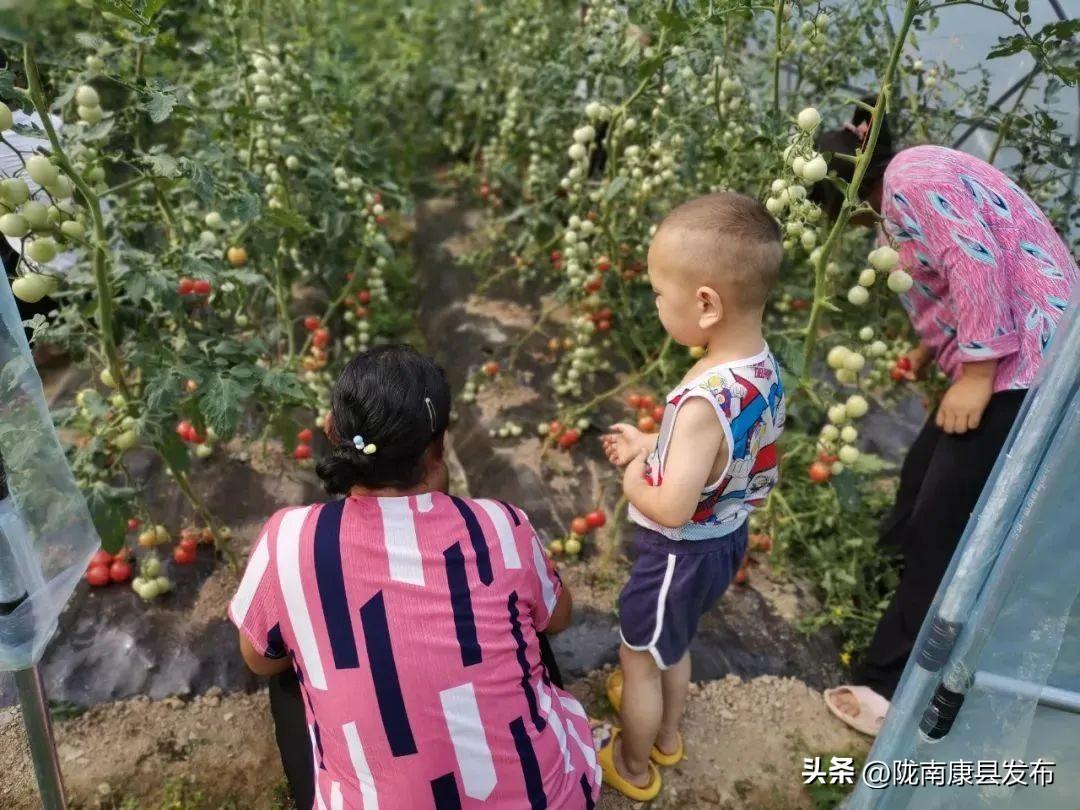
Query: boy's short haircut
[[742, 243]]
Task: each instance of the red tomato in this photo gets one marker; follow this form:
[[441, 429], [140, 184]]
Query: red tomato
[[201, 287], [120, 571], [603, 325], [101, 557], [183, 556], [184, 430], [186, 286], [647, 401], [302, 452], [556, 256], [594, 284], [819, 472], [485, 189], [189, 543], [364, 297], [569, 439], [382, 220], [579, 526], [634, 401], [312, 322], [603, 264], [362, 313], [606, 314], [596, 519], [799, 304], [98, 575], [133, 524], [658, 413], [904, 363], [896, 373], [555, 428], [646, 424], [321, 338], [491, 368], [827, 458], [304, 436]]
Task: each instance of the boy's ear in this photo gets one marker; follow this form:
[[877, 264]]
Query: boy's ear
[[710, 307]]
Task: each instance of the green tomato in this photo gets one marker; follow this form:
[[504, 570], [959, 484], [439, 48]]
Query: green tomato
[[126, 440], [86, 96], [42, 250], [6, 120], [149, 590], [14, 190], [91, 115], [41, 170], [151, 566], [73, 229], [32, 287], [14, 225], [164, 584], [37, 215]]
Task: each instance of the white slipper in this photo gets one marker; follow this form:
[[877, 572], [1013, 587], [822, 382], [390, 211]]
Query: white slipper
[[872, 709]]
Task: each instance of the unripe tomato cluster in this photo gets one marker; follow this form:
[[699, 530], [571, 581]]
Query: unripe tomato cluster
[[37, 206], [566, 438], [580, 527]]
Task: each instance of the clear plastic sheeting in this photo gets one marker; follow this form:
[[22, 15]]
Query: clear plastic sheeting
[[1002, 639], [46, 534]]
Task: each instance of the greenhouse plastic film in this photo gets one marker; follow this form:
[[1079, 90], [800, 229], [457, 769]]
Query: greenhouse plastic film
[[46, 534], [1014, 585]]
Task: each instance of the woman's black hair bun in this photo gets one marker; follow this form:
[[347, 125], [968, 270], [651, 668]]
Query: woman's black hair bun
[[394, 398]]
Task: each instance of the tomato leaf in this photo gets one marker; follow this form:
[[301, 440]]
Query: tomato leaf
[[174, 451], [790, 354], [616, 185], [158, 105], [847, 491], [122, 9], [223, 403], [109, 508]]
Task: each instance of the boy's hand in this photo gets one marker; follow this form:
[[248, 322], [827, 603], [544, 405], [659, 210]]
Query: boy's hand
[[964, 402], [624, 443]]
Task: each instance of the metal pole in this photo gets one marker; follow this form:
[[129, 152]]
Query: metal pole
[[35, 713]]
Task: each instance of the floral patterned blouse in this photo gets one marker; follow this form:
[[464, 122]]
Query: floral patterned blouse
[[992, 277]]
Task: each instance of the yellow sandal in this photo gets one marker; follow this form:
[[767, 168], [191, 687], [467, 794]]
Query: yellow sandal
[[613, 779], [614, 686]]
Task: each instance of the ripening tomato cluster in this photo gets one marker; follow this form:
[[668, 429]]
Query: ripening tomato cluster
[[191, 286], [900, 369], [302, 452], [488, 194], [188, 433], [320, 343], [565, 438], [649, 413], [184, 553], [106, 568], [580, 527]]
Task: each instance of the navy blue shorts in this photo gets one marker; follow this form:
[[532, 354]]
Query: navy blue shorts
[[672, 585]]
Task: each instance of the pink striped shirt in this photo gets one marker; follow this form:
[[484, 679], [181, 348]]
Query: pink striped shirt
[[411, 623]]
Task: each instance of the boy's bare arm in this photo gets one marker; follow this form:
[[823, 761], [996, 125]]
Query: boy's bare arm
[[697, 439]]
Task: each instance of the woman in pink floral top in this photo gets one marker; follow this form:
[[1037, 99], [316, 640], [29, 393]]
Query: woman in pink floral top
[[992, 279]]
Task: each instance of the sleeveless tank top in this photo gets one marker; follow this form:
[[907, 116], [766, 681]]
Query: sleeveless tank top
[[748, 398]]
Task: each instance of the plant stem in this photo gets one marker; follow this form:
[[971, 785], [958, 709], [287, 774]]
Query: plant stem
[[1003, 130], [101, 275], [851, 197], [778, 13]]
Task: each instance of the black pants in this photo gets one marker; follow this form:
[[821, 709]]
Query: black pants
[[940, 483], [291, 726]]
